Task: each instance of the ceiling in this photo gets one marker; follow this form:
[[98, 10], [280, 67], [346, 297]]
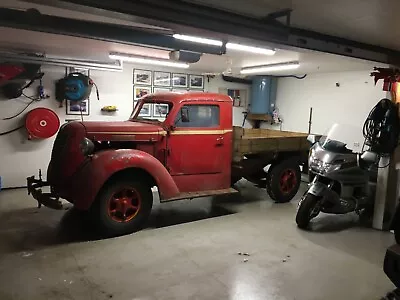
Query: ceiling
[[369, 21], [87, 49], [343, 19]]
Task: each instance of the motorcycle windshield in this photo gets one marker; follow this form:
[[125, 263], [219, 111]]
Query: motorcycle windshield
[[343, 139]]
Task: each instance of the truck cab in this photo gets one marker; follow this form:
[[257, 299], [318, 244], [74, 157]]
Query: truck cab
[[109, 168]]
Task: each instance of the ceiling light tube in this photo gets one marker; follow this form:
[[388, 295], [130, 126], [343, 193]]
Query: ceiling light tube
[[148, 60], [251, 49], [60, 61], [198, 40], [270, 68]]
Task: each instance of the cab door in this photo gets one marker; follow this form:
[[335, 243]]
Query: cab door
[[195, 146]]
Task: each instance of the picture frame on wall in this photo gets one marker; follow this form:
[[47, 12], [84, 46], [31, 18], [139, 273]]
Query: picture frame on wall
[[160, 110], [140, 91], [160, 90], [162, 78], [179, 80], [196, 81], [78, 107], [143, 77]]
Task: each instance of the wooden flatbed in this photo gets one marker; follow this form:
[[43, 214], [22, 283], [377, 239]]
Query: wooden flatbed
[[248, 141], [283, 152]]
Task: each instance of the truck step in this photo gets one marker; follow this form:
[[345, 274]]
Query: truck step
[[192, 195]]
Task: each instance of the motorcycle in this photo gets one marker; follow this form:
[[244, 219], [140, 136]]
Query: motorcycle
[[341, 176]]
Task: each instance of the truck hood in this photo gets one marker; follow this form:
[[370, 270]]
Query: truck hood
[[115, 130]]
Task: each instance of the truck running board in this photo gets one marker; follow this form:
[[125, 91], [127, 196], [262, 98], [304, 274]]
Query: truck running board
[[192, 195]]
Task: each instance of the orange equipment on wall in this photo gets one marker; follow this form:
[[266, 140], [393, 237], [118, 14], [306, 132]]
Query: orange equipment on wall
[[41, 123]]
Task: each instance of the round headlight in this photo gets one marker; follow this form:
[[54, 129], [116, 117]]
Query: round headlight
[[86, 146]]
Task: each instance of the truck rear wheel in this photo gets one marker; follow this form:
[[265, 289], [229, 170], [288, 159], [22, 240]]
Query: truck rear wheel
[[269, 188], [283, 180], [122, 207]]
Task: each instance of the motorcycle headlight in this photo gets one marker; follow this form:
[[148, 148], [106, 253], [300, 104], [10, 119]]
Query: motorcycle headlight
[[322, 167], [87, 147]]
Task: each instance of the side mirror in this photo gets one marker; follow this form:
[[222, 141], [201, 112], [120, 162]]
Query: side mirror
[[185, 114], [312, 138]]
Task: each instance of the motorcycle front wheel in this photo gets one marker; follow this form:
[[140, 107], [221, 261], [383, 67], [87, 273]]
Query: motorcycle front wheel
[[308, 210]]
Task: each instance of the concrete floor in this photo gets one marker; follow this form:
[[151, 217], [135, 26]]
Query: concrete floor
[[46, 254]]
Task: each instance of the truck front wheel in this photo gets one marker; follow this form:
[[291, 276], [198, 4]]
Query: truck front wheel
[[283, 180], [122, 207]]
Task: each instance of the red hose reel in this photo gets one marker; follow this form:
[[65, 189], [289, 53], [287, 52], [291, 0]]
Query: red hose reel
[[41, 123]]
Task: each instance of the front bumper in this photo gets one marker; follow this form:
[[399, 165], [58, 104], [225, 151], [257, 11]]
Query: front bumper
[[47, 199]]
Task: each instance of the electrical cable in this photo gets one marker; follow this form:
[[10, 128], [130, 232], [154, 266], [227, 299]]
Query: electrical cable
[[29, 104], [292, 76], [12, 130], [97, 90]]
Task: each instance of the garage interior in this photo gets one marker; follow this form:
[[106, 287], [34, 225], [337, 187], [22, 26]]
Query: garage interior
[[240, 246]]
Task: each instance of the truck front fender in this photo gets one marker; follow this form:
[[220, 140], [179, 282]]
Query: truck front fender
[[96, 170]]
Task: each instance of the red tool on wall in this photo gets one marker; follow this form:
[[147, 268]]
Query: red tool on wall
[[41, 123], [391, 79]]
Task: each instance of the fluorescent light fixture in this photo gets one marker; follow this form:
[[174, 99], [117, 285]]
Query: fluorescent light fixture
[[62, 61], [230, 46], [198, 40], [147, 60], [270, 68], [251, 49]]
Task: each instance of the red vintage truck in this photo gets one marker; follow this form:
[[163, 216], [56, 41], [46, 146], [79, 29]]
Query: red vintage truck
[[109, 168]]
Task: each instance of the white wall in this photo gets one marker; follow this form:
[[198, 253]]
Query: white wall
[[20, 158], [349, 103]]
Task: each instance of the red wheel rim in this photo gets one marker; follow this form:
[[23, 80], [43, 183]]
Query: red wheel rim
[[124, 205], [288, 181]]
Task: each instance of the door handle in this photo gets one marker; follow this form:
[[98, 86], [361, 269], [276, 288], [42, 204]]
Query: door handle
[[220, 140]]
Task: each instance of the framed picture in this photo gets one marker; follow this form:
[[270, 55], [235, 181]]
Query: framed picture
[[162, 78], [160, 110], [141, 91], [160, 90], [142, 77], [196, 82], [179, 80], [78, 108]]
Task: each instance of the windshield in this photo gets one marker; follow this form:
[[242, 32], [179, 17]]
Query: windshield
[[343, 139], [155, 111]]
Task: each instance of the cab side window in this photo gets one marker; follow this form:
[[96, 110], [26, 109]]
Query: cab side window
[[200, 116]]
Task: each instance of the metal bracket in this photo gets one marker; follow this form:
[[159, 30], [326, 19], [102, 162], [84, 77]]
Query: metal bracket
[[280, 14]]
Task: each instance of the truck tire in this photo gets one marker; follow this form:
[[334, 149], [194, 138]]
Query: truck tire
[[269, 188], [306, 211], [283, 180], [122, 206]]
